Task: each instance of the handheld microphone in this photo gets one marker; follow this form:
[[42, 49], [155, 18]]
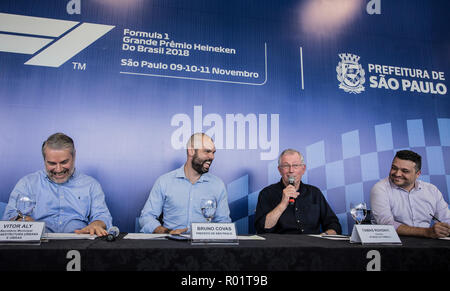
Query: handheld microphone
[[291, 182], [113, 232]]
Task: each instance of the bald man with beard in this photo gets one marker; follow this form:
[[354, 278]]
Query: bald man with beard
[[177, 195]]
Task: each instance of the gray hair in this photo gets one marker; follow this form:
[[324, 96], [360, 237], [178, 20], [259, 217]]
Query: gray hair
[[290, 151], [59, 141]]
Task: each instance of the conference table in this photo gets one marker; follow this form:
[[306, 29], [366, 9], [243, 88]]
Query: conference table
[[275, 253]]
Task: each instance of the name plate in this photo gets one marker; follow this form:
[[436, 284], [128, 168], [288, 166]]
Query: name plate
[[214, 233], [21, 231], [374, 234]]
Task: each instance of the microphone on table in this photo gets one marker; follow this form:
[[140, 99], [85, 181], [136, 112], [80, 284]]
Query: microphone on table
[[113, 232], [291, 182]]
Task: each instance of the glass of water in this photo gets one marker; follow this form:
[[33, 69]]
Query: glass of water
[[358, 212], [208, 207], [25, 206]]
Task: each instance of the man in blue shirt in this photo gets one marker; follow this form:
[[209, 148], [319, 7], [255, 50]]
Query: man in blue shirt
[[66, 200], [178, 194]]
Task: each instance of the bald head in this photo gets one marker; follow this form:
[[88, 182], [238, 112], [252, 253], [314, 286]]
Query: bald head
[[198, 141], [200, 152]]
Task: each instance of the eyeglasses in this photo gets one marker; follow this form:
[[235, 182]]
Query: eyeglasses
[[294, 166]]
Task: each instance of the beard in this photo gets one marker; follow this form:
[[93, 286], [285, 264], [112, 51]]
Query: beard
[[200, 166], [67, 173]]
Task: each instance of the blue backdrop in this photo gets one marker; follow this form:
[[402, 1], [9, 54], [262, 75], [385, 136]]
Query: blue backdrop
[[346, 82]]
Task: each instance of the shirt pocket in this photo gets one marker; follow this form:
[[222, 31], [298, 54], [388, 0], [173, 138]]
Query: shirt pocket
[[78, 202]]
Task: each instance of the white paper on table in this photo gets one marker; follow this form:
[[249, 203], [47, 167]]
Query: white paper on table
[[145, 236], [331, 236], [445, 238], [250, 237], [64, 236], [163, 236]]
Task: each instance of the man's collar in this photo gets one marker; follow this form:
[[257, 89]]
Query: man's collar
[[417, 185], [181, 174]]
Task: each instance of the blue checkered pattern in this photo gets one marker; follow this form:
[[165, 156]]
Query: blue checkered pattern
[[348, 176]]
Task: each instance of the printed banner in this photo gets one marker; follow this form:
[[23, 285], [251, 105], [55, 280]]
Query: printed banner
[[347, 83]]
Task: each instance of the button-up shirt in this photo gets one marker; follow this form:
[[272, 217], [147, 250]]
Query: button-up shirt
[[310, 214], [395, 206], [63, 207], [178, 200]]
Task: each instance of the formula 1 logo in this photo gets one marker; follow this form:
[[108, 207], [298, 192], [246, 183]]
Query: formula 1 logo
[[350, 73], [57, 41]]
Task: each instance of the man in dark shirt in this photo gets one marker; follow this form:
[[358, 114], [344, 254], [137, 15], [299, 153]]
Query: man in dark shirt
[[308, 211]]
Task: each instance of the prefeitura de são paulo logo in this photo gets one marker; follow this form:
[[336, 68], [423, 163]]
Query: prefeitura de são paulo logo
[[350, 73]]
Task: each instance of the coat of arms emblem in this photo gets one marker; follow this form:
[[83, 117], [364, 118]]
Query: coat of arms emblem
[[350, 73]]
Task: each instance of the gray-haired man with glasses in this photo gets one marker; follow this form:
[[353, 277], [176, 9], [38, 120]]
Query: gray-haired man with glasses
[[291, 206]]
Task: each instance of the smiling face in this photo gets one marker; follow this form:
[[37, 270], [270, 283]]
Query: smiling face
[[203, 156], [404, 173], [59, 164]]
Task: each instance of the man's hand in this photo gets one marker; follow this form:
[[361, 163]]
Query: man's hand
[[20, 218], [288, 192], [96, 227], [178, 231], [162, 229], [439, 229], [330, 232], [273, 216]]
